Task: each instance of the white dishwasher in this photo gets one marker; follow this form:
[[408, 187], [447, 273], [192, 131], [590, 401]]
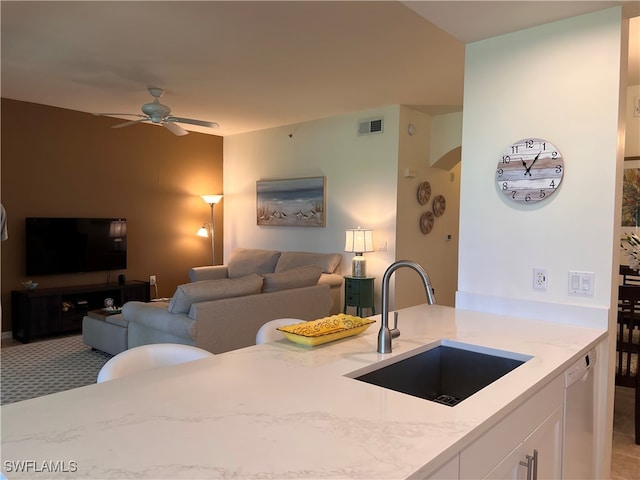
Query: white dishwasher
[[579, 419]]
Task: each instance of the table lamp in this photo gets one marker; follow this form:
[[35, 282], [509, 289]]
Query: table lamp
[[358, 241]]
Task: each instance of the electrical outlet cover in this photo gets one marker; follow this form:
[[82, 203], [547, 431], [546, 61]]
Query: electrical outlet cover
[[539, 278]]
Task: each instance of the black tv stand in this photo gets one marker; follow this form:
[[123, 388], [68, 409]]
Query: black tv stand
[[53, 311]]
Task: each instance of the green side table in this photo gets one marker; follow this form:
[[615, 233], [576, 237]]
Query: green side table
[[358, 292]]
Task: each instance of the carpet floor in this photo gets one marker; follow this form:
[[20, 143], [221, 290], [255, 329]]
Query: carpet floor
[[48, 366]]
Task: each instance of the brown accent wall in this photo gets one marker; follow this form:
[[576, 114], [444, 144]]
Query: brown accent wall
[[63, 163]]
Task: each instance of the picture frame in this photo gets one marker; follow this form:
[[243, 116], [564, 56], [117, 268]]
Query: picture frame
[[631, 193], [291, 202]]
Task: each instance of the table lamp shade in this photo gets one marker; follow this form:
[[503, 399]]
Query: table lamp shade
[[358, 241]]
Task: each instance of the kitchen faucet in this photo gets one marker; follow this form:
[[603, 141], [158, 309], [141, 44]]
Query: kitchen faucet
[[386, 334]]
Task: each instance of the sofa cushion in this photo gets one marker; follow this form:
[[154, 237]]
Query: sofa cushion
[[306, 276], [328, 262], [213, 290], [245, 261]]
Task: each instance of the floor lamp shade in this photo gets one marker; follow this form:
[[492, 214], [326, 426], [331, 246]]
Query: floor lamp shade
[[211, 199], [358, 241]]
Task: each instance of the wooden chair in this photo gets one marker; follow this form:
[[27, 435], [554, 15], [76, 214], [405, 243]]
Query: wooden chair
[[629, 276], [628, 345]]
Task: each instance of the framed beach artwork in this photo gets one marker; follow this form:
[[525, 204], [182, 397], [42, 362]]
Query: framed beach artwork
[[294, 202], [631, 193]]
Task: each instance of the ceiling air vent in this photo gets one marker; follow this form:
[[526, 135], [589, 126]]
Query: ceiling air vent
[[369, 126]]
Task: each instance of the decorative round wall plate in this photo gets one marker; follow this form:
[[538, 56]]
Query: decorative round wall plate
[[426, 222], [439, 205], [424, 193], [529, 170]]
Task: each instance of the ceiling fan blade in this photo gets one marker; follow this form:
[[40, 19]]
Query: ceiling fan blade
[[175, 129], [132, 122], [115, 114], [191, 121]]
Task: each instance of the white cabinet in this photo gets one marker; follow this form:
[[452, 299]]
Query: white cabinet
[[449, 471], [535, 425], [543, 446]]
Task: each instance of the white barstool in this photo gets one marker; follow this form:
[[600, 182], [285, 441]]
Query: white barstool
[[146, 357], [268, 332]]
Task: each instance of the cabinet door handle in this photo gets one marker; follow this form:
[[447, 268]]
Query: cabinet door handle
[[532, 465]]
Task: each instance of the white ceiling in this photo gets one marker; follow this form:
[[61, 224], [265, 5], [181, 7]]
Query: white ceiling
[[255, 65]]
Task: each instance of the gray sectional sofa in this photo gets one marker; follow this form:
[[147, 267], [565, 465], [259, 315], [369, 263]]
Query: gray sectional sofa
[[244, 261], [224, 306]]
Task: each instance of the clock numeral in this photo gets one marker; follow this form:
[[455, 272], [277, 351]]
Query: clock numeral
[[542, 193], [554, 155], [552, 184], [558, 168], [529, 144], [513, 194], [514, 148], [506, 159], [505, 186], [527, 198], [500, 172]]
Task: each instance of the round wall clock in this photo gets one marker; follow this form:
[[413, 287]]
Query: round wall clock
[[530, 170], [426, 222], [439, 205], [424, 192]]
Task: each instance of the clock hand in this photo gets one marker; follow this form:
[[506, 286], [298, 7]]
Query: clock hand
[[534, 161]]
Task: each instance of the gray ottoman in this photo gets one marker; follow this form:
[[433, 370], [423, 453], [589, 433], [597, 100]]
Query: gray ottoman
[[105, 332]]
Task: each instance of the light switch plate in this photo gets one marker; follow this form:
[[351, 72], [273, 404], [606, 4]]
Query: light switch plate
[[581, 283]]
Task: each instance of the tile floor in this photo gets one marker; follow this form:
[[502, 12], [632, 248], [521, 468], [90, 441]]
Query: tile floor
[[625, 458]]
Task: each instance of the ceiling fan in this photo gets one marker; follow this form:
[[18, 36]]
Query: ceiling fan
[[156, 112]]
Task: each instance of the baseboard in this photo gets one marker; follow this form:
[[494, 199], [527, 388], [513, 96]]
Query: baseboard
[[6, 335]]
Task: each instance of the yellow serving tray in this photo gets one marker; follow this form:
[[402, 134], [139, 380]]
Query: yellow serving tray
[[325, 330]]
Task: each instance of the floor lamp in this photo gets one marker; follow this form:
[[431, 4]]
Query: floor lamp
[[211, 200]]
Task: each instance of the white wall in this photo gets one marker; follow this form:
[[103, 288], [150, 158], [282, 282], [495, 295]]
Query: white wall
[[365, 187], [434, 251], [563, 82], [536, 83], [446, 135], [361, 175]]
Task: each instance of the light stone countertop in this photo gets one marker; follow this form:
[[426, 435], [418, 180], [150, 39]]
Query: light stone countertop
[[281, 410]]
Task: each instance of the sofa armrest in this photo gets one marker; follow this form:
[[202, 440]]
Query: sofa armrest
[[335, 289], [331, 279], [212, 272], [155, 316]]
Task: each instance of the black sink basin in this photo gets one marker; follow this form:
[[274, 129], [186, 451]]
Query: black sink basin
[[447, 373]]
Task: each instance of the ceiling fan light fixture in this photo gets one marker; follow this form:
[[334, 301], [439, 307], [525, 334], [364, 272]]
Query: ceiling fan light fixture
[[159, 114], [156, 111]]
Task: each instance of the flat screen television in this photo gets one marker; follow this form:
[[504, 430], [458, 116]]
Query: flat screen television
[[72, 245]]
